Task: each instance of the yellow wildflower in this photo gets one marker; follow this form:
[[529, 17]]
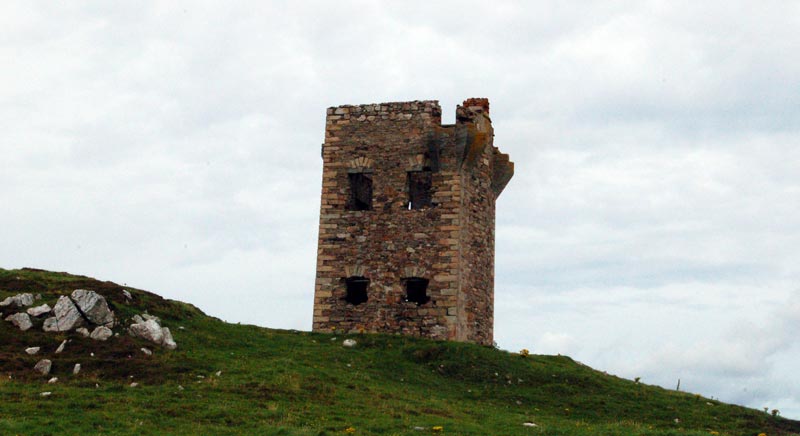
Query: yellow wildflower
[[437, 428], [349, 430]]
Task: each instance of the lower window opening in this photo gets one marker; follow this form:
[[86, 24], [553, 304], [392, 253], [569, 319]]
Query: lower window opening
[[356, 290], [417, 290]]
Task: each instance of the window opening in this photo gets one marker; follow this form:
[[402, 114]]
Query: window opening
[[356, 290], [419, 189], [417, 290], [360, 191]]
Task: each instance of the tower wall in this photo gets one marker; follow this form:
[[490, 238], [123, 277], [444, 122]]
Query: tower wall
[[450, 242]]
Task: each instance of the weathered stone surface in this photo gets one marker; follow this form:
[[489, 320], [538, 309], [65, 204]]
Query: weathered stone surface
[[83, 331], [76, 369], [67, 316], [43, 366], [94, 307], [32, 350], [61, 347], [127, 294], [148, 330], [146, 351], [50, 324], [101, 333], [18, 301], [39, 310], [407, 214], [167, 341], [53, 380], [21, 320], [349, 343]]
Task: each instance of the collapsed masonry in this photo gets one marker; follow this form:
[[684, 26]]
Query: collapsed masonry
[[406, 235]]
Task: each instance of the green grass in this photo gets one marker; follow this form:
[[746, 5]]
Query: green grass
[[276, 382]]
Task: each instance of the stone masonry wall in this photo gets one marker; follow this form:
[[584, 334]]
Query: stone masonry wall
[[450, 243]]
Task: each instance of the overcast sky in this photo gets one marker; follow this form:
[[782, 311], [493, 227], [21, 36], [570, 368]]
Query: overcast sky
[[651, 230]]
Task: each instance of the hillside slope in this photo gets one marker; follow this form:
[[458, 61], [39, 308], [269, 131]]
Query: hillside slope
[[238, 379]]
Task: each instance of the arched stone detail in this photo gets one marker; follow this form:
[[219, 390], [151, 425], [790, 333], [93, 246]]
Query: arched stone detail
[[354, 271], [418, 163], [413, 271], [360, 164]]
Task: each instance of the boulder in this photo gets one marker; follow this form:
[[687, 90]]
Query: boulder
[[94, 307], [21, 320], [148, 330], [101, 333], [127, 294], [19, 300], [76, 369], [349, 343], [32, 350], [83, 331], [167, 340], [43, 366], [50, 324], [39, 310], [60, 348], [66, 314]]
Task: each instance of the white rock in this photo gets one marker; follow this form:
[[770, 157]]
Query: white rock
[[149, 330], [21, 320], [148, 317], [147, 352], [76, 369], [45, 394], [167, 340], [529, 424], [134, 384], [83, 331], [50, 324], [349, 343], [66, 315], [61, 347], [101, 333], [19, 300], [218, 373], [52, 380], [39, 310], [127, 294], [43, 366], [94, 307], [32, 350]]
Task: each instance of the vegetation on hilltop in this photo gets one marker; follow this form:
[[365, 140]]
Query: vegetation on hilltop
[[239, 379]]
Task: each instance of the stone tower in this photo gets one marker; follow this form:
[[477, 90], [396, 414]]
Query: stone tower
[[406, 232]]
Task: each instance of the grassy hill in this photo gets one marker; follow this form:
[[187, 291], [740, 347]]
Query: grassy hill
[[276, 382]]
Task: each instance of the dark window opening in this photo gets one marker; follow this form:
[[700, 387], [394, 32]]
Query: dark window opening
[[419, 189], [417, 290], [356, 290], [360, 192]]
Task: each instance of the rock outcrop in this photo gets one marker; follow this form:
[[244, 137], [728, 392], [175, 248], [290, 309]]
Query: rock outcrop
[[18, 301], [21, 320], [149, 328]]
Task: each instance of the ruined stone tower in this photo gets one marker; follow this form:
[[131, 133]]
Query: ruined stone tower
[[406, 233]]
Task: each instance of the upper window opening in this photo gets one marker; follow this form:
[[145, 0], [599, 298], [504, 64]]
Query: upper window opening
[[419, 189], [356, 290], [417, 290], [360, 191]]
